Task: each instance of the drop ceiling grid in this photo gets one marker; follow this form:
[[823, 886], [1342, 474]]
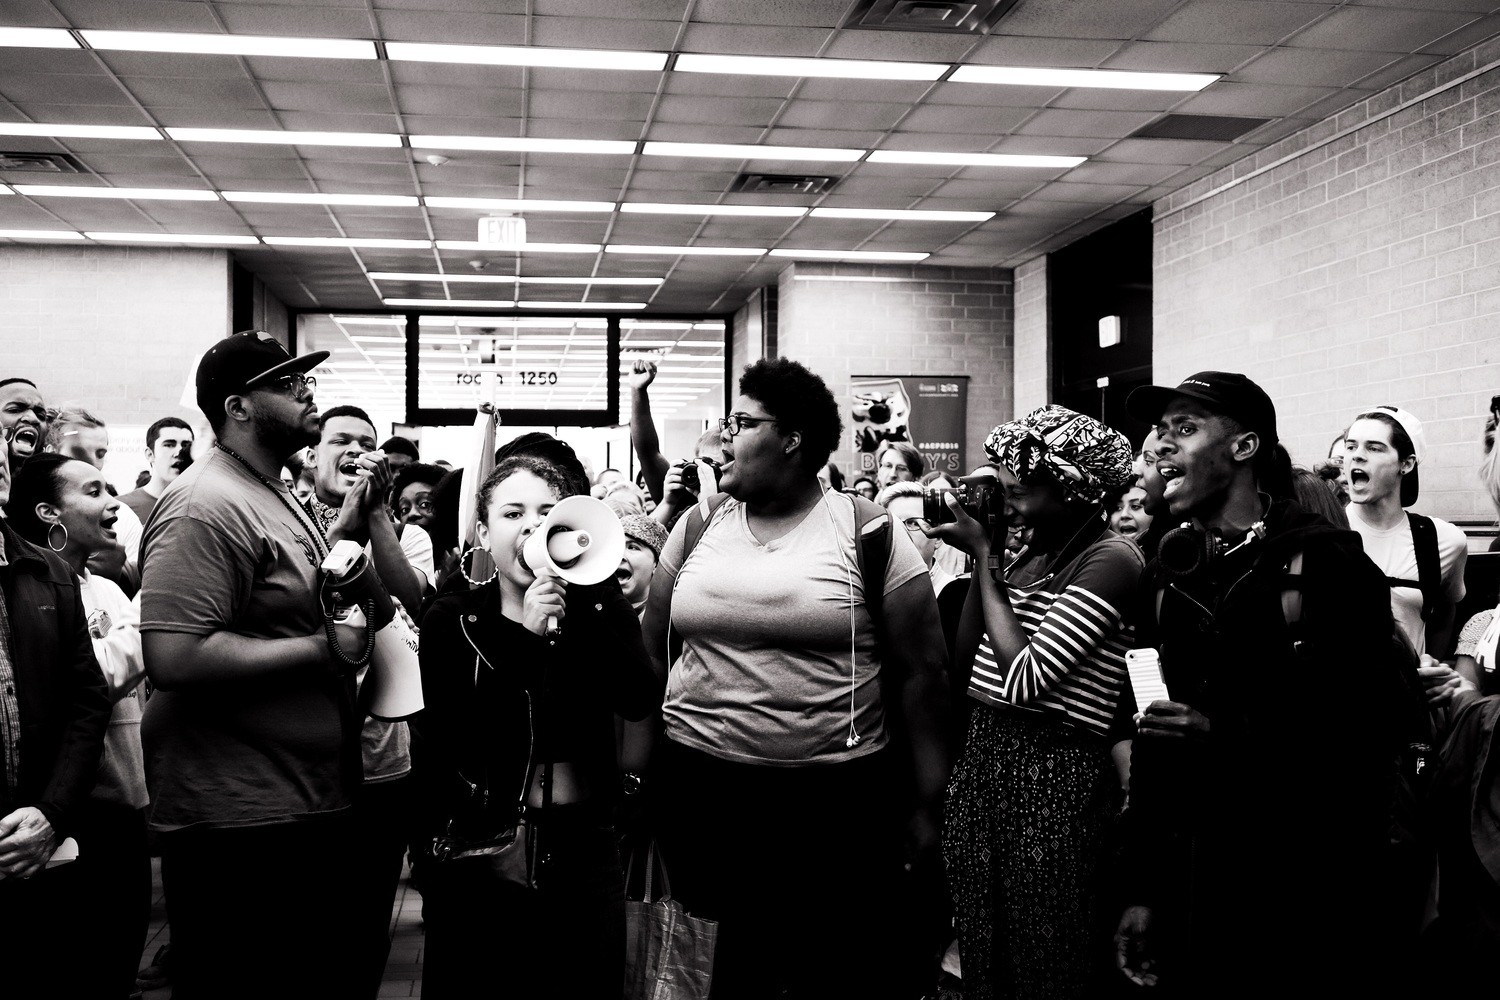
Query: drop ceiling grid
[[1295, 80]]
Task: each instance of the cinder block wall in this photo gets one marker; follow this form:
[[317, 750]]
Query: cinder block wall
[[118, 329], [1354, 263], [917, 321], [1033, 337]]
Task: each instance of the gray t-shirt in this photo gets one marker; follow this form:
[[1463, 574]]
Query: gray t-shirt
[[764, 676], [221, 552]]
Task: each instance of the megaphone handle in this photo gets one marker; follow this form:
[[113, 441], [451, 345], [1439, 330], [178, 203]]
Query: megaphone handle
[[552, 628]]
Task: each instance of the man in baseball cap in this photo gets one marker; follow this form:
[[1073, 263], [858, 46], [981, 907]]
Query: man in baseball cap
[[251, 743], [1206, 872]]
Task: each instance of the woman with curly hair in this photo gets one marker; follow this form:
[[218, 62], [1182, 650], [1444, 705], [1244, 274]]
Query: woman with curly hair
[[777, 782], [1033, 790]]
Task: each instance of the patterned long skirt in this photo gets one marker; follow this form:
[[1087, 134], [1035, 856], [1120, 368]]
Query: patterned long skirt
[[1027, 812]]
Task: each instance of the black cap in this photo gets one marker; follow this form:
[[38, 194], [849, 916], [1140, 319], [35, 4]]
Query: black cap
[[242, 361], [1228, 394]]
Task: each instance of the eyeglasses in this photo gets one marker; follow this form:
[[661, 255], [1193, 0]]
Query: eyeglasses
[[291, 385], [915, 524], [736, 422]]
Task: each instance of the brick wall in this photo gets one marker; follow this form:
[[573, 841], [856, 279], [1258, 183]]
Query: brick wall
[[1354, 263], [118, 329], [918, 321], [1033, 375]]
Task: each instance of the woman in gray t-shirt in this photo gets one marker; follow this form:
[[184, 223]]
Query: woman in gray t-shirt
[[778, 780]]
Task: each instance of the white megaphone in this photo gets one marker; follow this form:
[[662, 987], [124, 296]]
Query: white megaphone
[[580, 541], [391, 686]]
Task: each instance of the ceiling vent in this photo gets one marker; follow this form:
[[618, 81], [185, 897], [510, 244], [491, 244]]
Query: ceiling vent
[[782, 184], [945, 16], [41, 163], [1212, 128]]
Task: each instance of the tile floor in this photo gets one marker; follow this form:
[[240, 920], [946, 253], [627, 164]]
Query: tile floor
[[403, 970]]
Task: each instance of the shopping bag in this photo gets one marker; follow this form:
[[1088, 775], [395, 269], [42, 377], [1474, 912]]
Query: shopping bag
[[669, 954]]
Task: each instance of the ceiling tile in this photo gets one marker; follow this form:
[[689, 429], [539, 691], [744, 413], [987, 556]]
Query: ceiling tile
[[651, 10], [839, 115], [201, 94], [1379, 28], [603, 33], [738, 40], [1173, 151], [613, 81], [1255, 100], [342, 98], [673, 132], [954, 119], [1103, 99], [369, 72], [1397, 71], [425, 99], [810, 13], [298, 21], [1015, 50], [1246, 21], [731, 85], [996, 191], [756, 112], [1086, 18], [1083, 123], [836, 138], [883, 91], [985, 95], [447, 75], [1102, 172], [590, 106], [1462, 38], [900, 46], [465, 28], [60, 88], [334, 121], [1313, 67], [138, 15], [26, 62], [1181, 57]]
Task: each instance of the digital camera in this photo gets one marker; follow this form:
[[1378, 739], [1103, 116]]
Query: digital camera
[[979, 496], [690, 478]]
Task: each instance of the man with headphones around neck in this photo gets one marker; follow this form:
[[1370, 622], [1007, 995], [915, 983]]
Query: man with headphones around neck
[[1261, 791]]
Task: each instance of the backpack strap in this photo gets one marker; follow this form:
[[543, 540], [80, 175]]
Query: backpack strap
[[697, 521], [872, 553], [1424, 541]]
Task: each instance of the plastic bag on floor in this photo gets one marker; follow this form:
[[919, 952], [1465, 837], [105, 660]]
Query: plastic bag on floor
[[669, 954]]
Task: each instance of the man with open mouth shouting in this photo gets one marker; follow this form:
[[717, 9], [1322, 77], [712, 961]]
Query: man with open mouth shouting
[[24, 414], [1261, 787]]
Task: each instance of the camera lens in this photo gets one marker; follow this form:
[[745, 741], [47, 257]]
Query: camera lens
[[690, 476], [880, 413]]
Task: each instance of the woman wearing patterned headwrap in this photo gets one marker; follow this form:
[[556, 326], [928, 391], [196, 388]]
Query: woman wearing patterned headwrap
[[1031, 795]]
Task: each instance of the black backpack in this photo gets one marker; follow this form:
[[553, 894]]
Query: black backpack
[[1429, 565]]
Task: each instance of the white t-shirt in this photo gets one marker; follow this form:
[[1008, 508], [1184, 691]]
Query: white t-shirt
[[764, 675], [128, 530], [1392, 550], [416, 545], [114, 628]]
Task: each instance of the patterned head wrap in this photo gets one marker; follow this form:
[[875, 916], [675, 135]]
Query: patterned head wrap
[[1087, 458]]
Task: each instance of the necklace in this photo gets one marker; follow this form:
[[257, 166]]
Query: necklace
[[301, 516]]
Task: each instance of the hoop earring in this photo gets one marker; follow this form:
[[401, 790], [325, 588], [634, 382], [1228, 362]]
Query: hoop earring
[[64, 527], [472, 582]]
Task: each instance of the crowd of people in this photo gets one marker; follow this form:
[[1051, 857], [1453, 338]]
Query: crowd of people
[[1096, 717]]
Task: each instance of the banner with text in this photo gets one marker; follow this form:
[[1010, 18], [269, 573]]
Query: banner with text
[[929, 412]]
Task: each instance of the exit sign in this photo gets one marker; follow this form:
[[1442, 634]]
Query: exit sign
[[502, 230]]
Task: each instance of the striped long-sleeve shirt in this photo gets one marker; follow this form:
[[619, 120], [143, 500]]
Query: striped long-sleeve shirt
[[1074, 661]]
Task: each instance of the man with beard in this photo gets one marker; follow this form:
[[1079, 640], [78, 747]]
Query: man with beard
[[169, 449], [24, 415], [1261, 788], [251, 737]]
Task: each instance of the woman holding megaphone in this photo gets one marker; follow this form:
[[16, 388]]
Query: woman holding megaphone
[[522, 678]]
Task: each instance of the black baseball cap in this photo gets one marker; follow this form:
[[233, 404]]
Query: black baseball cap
[[1229, 394], [240, 362]]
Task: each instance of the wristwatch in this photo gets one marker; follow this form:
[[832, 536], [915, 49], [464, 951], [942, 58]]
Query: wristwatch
[[630, 783]]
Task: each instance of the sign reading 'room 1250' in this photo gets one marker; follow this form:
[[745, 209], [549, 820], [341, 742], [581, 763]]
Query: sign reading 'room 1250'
[[927, 411]]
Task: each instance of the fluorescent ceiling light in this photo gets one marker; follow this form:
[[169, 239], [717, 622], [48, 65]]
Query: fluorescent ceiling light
[[170, 238], [1037, 76], [767, 211], [339, 241], [521, 204], [898, 214], [581, 305], [297, 198], [519, 145], [523, 248], [55, 131], [746, 151], [974, 159], [686, 251], [37, 38], [454, 303], [134, 194], [851, 254], [527, 55], [230, 45], [285, 138], [507, 279], [39, 234], [843, 69]]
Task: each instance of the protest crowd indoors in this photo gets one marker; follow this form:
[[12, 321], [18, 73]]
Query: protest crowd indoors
[[1049, 552]]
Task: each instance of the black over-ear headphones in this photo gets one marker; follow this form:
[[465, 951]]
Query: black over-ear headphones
[[1186, 552]]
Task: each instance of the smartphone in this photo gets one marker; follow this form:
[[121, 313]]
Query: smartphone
[[1144, 667]]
